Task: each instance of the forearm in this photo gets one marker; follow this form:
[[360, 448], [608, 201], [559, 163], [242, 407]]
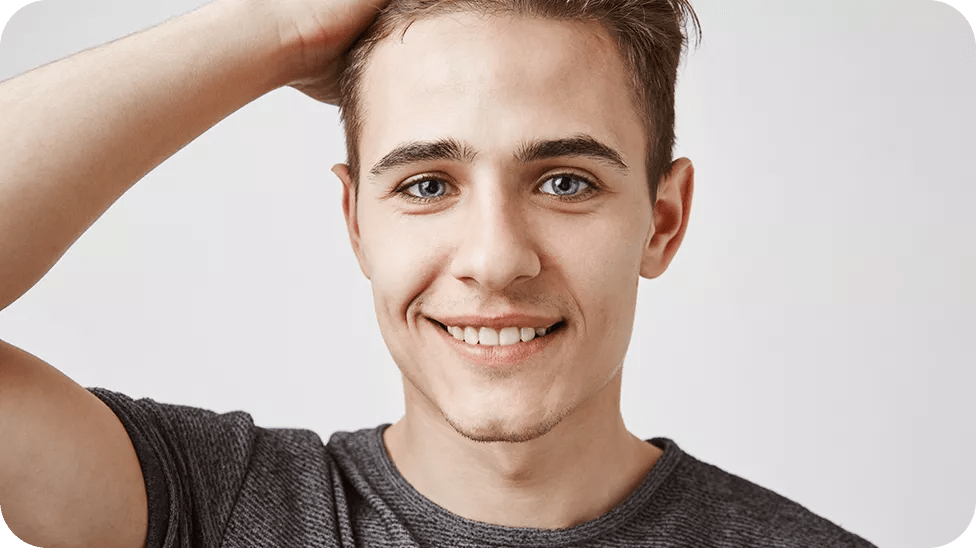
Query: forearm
[[78, 133]]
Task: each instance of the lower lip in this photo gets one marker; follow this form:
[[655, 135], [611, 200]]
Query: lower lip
[[497, 355]]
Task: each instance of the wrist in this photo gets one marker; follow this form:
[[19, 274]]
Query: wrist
[[254, 29]]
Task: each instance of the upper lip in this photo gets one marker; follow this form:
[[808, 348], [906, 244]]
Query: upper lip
[[498, 321]]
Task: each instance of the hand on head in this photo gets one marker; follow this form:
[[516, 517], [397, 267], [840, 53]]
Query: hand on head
[[317, 34]]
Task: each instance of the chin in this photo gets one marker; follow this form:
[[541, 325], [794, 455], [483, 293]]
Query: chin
[[490, 429]]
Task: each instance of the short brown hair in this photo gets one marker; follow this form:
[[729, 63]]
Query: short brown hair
[[649, 33]]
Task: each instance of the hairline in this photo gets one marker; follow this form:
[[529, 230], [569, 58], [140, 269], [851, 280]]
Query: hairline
[[655, 117]]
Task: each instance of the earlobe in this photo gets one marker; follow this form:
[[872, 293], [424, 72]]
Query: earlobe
[[671, 213], [351, 213]]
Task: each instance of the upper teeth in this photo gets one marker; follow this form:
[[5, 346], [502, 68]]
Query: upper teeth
[[491, 337]]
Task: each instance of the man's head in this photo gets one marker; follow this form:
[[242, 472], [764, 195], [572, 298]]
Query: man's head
[[501, 156], [648, 35]]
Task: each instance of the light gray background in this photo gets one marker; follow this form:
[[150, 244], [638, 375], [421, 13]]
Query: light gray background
[[814, 334]]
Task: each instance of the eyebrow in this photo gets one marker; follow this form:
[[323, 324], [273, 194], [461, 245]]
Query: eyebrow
[[424, 151], [580, 145]]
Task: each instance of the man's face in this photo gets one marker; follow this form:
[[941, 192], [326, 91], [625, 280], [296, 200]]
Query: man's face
[[505, 122]]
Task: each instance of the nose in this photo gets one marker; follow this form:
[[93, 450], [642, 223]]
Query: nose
[[495, 247]]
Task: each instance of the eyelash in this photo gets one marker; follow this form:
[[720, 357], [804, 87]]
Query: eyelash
[[591, 188]]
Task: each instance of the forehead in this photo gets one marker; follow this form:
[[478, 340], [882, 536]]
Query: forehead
[[494, 82]]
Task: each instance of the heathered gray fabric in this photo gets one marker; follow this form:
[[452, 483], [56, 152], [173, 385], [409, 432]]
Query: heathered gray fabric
[[218, 480]]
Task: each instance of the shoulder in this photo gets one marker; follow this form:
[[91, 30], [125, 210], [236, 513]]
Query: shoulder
[[208, 439], [741, 512], [197, 464], [207, 436]]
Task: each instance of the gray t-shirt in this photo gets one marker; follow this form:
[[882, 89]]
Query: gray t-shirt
[[219, 480]]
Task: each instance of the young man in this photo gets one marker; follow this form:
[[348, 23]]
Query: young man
[[509, 182]]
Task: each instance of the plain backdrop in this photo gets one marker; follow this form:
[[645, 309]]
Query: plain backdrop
[[814, 335]]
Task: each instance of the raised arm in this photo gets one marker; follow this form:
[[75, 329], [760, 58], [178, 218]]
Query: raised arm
[[76, 134], [79, 132]]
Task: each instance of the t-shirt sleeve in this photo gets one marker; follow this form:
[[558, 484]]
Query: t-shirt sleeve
[[194, 462]]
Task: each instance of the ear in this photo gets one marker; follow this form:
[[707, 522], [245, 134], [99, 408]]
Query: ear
[[350, 211], [671, 212]]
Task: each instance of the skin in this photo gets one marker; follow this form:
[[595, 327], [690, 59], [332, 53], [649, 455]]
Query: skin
[[542, 444]]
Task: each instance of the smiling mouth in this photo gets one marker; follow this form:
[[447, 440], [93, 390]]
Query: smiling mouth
[[486, 336]]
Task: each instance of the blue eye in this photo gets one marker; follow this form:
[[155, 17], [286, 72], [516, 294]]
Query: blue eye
[[565, 185], [428, 189]]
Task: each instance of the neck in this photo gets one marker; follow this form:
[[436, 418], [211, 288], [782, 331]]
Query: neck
[[581, 469]]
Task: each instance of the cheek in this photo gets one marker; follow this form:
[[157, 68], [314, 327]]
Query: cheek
[[403, 260], [604, 253], [602, 264]]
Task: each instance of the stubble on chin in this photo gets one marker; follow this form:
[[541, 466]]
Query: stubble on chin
[[492, 431]]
